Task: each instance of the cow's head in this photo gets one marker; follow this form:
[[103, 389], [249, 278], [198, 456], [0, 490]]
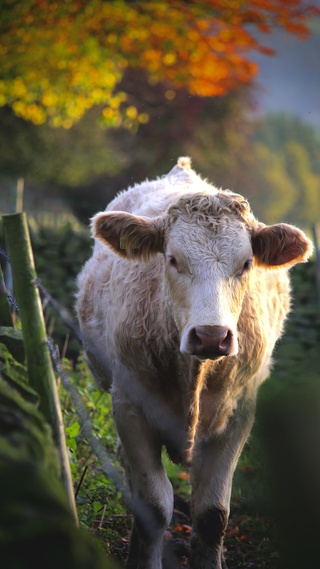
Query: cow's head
[[211, 246]]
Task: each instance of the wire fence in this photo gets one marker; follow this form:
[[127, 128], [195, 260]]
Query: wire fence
[[109, 470]]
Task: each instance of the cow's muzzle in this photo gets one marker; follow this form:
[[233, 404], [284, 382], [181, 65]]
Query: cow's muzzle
[[211, 342]]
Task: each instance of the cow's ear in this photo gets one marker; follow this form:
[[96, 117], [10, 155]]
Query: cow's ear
[[280, 245], [128, 235]]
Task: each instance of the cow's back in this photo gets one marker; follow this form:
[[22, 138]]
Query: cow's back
[[152, 198]]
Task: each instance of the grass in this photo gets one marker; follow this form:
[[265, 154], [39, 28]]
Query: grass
[[100, 506]]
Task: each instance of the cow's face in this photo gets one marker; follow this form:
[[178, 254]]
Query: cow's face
[[207, 271], [211, 244]]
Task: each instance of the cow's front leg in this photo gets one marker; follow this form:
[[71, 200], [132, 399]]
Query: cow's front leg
[[212, 471], [152, 495]]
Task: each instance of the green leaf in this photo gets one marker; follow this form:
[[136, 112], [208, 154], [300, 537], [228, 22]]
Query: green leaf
[[73, 430]]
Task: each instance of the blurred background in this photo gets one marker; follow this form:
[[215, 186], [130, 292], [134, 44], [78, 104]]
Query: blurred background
[[96, 96]]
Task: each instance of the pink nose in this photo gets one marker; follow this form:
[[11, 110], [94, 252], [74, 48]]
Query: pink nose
[[211, 341]]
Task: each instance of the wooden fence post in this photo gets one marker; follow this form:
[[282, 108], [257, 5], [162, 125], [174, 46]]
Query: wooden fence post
[[40, 371], [19, 198]]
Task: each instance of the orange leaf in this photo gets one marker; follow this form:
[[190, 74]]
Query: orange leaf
[[233, 531], [183, 528], [183, 475]]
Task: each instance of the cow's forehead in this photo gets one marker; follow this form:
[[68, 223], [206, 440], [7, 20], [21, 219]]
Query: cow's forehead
[[215, 209], [203, 225], [225, 241]]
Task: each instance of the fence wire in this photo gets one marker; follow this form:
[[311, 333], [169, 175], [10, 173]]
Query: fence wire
[[109, 471]]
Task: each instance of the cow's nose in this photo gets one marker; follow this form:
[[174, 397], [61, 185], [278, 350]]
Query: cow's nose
[[211, 341]]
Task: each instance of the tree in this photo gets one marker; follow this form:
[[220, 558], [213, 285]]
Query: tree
[[61, 58], [284, 176], [86, 165]]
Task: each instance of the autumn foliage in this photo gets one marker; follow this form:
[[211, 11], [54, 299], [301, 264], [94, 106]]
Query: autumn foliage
[[60, 58]]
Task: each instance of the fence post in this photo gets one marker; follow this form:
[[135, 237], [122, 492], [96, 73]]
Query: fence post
[[19, 198], [40, 371]]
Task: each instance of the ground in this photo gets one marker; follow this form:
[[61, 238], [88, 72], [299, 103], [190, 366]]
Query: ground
[[248, 540]]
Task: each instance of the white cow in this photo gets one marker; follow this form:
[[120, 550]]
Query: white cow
[[180, 307]]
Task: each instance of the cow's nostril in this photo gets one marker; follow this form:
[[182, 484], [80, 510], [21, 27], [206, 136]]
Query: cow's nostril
[[211, 341], [194, 339], [226, 342]]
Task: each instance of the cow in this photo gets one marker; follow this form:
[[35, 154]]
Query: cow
[[180, 307]]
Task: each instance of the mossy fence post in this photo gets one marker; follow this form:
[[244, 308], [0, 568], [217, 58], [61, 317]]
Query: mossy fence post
[[40, 371]]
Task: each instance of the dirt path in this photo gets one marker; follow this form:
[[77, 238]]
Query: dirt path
[[248, 541]]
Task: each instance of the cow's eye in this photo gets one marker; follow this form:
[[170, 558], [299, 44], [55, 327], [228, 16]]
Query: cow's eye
[[246, 266], [173, 261]]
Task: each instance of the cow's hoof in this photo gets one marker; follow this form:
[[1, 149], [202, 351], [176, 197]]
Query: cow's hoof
[[204, 557]]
